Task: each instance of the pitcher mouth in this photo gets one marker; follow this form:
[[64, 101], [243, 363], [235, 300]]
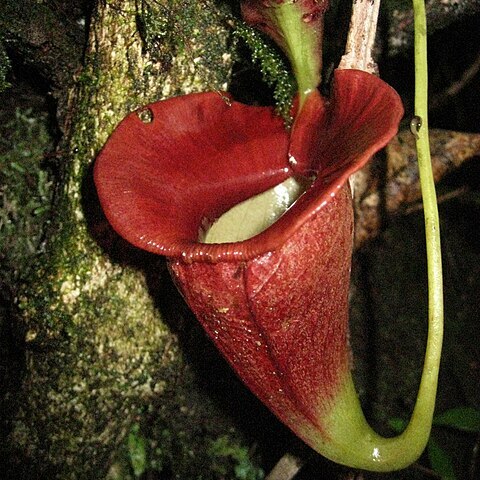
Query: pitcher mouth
[[162, 183], [256, 214]]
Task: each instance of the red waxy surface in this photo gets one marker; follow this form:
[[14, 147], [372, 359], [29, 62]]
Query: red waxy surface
[[276, 305], [160, 182], [281, 318]]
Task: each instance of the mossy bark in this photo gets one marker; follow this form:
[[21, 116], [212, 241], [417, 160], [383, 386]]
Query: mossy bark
[[97, 348]]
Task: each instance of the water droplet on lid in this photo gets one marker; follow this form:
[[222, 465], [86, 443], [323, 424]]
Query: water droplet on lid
[[145, 115], [415, 125]]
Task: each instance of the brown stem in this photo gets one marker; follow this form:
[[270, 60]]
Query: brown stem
[[457, 86], [361, 36], [286, 468]]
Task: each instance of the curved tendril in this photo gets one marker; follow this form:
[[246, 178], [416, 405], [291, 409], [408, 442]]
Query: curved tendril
[[372, 451]]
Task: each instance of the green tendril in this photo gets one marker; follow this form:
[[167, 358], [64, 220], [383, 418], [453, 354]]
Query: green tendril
[[432, 225]]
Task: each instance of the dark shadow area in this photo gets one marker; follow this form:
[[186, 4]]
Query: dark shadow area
[[27, 100], [451, 52]]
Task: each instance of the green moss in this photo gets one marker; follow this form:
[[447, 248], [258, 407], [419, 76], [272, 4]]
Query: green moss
[[4, 67], [225, 448], [25, 190], [99, 357], [184, 439], [188, 39]]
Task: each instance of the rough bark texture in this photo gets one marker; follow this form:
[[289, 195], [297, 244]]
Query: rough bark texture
[[97, 348], [37, 32]]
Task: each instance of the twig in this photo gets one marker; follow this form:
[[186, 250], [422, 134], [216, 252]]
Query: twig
[[472, 470], [457, 86], [361, 36], [440, 199], [286, 468], [358, 49]]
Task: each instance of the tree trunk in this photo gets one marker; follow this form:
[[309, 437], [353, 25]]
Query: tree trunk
[[98, 349]]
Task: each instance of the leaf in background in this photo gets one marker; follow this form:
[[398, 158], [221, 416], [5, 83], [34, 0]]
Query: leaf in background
[[397, 424], [463, 418], [244, 468], [137, 451], [440, 461]]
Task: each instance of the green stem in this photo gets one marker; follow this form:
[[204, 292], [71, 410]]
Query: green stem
[[298, 30], [302, 44], [351, 440], [428, 386]]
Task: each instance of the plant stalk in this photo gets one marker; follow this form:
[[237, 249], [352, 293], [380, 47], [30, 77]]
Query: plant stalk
[[356, 443]]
